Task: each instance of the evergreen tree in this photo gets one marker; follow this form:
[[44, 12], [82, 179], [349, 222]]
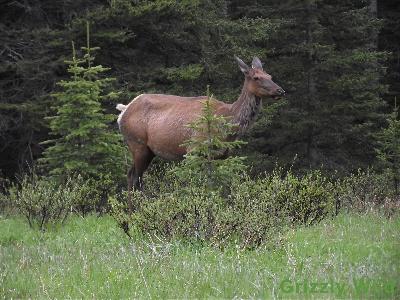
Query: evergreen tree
[[389, 40], [210, 142], [84, 143], [389, 147], [331, 71], [34, 44]]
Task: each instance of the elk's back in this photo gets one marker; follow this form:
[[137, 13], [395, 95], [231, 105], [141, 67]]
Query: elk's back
[[160, 122]]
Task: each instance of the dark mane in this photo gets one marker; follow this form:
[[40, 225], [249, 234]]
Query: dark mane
[[245, 110]]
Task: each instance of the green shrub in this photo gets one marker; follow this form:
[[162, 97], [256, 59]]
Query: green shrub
[[309, 198], [367, 190], [260, 208], [3, 199], [45, 200], [119, 210], [93, 193], [253, 212], [4, 203], [190, 213], [159, 178], [90, 192], [251, 215]]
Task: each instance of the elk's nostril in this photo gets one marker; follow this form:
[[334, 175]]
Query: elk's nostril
[[281, 91]]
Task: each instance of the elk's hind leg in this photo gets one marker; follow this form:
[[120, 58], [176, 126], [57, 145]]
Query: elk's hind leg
[[142, 157], [130, 177]]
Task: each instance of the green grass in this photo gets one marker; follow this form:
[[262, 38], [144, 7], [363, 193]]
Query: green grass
[[351, 256]]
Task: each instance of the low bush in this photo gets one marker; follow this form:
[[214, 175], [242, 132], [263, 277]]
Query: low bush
[[253, 211], [4, 204], [269, 204], [119, 210], [367, 190], [190, 213], [93, 193], [44, 200], [3, 199]]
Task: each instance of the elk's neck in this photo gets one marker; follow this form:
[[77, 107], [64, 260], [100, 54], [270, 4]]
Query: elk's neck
[[245, 109]]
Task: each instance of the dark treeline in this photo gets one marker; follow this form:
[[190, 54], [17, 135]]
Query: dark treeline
[[337, 60]]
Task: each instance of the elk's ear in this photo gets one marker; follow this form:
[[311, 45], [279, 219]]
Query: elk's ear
[[243, 67], [256, 64]]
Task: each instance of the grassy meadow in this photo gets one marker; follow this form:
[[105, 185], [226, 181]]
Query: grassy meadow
[[351, 256]]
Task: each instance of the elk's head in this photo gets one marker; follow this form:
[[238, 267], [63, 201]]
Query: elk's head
[[259, 82]]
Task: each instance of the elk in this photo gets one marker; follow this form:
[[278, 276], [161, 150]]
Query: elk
[[156, 124]]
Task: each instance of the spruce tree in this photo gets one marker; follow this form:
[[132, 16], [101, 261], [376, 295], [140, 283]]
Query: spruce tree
[[211, 142], [389, 147], [325, 57], [83, 141], [389, 40]]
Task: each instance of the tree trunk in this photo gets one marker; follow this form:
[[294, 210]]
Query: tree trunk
[[373, 10], [311, 84]]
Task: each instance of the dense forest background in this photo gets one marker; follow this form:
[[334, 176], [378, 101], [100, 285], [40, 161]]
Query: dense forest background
[[339, 62]]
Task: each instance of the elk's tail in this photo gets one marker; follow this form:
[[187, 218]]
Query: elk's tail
[[121, 107]]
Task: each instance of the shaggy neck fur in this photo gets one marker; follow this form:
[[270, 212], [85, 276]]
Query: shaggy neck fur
[[245, 109]]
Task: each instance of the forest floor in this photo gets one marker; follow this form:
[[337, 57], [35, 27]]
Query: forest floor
[[351, 256]]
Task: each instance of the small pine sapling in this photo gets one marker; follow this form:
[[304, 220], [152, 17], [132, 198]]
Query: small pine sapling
[[83, 141], [212, 139]]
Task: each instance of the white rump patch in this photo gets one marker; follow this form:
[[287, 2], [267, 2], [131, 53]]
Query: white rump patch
[[122, 108]]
